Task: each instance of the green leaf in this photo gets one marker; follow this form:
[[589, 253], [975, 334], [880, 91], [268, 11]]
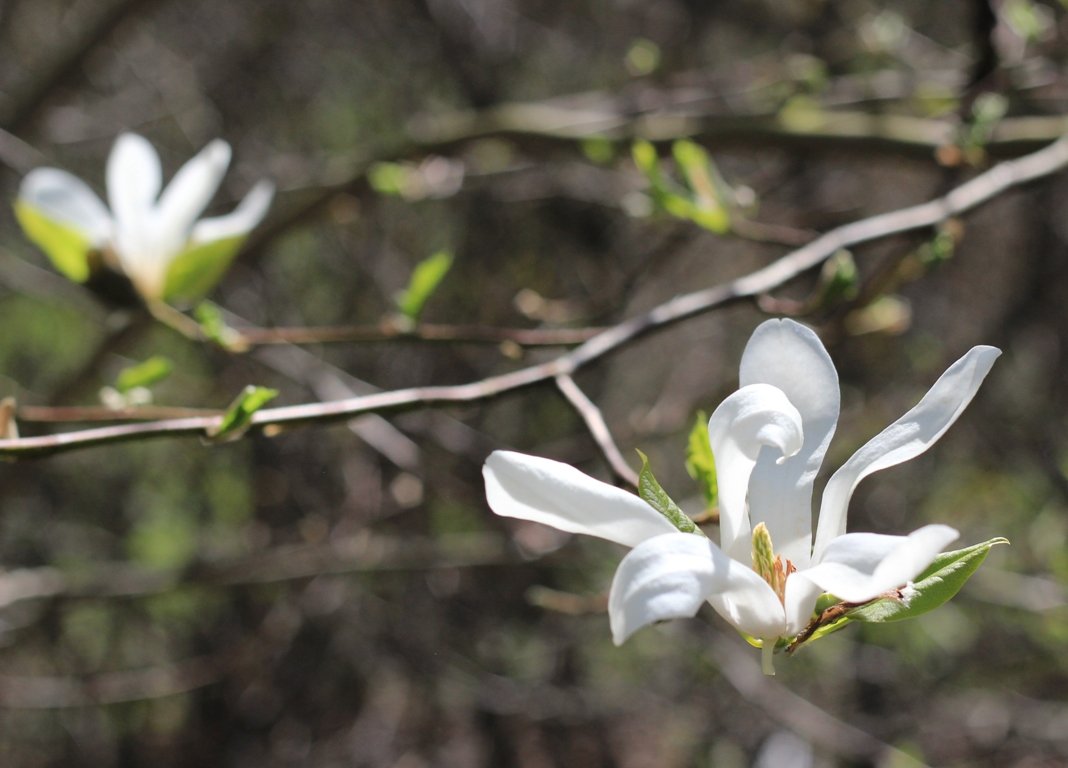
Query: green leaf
[[656, 497], [598, 150], [645, 157], [197, 270], [67, 247], [145, 374], [425, 279], [941, 581], [391, 179], [938, 249], [238, 417], [213, 326], [838, 279], [711, 194], [699, 460], [211, 321], [643, 57]]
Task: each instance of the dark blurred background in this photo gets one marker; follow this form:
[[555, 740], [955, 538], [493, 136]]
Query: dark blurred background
[[342, 596]]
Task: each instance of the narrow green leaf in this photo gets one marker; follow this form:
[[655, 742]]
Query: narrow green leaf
[[711, 195], [938, 249], [941, 581], [391, 179], [152, 371], [838, 280], [645, 157], [197, 270], [65, 246], [238, 417], [211, 320], [656, 497], [213, 326], [699, 460], [425, 279]]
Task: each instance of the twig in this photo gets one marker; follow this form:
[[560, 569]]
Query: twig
[[80, 413], [595, 423], [428, 332], [960, 200]]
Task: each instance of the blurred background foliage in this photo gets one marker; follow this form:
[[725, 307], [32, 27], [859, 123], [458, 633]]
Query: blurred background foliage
[[342, 595]]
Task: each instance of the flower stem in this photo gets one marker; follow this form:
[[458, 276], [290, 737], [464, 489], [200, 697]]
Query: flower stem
[[767, 663]]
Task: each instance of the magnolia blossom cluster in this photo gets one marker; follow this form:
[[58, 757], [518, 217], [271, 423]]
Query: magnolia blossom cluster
[[769, 438], [153, 235]]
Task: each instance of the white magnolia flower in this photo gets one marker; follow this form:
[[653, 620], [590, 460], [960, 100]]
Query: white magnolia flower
[[768, 439], [153, 237]]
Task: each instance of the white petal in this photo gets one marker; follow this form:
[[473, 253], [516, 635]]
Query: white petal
[[791, 357], [755, 416], [859, 566], [906, 438], [189, 193], [239, 223], [133, 177], [67, 200], [799, 601], [670, 576], [556, 494]]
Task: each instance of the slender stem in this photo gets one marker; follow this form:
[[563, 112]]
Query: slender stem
[[958, 201], [425, 332], [767, 658], [598, 428]]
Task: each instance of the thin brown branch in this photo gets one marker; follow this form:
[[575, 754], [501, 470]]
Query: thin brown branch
[[562, 120], [671, 115], [960, 200], [85, 414], [424, 332], [598, 428]]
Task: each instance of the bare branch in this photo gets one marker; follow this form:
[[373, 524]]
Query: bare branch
[[425, 332], [960, 200], [595, 423]]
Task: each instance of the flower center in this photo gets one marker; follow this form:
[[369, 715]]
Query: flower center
[[769, 565]]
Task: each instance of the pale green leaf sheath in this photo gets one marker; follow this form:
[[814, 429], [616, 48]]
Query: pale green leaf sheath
[[151, 234], [765, 576]]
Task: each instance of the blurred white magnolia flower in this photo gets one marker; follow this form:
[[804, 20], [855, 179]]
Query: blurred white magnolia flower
[[768, 439], [153, 237]]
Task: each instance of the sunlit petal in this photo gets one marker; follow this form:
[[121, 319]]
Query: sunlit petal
[[189, 193], [239, 223], [670, 576], [555, 494], [67, 200], [799, 602], [755, 416], [859, 566], [906, 438], [791, 357], [133, 180]]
